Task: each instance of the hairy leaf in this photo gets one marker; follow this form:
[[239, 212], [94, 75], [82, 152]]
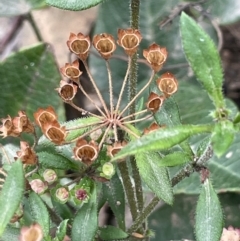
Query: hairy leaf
[[209, 217], [112, 233], [39, 212], [11, 194], [203, 57], [155, 176], [74, 5]]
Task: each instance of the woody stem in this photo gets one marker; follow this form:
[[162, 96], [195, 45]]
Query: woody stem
[[123, 85], [138, 94], [96, 88]]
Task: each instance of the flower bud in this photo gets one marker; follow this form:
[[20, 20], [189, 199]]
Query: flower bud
[[129, 39], [79, 45], [86, 152], [156, 56], [71, 71], [81, 194], [67, 90], [34, 232], [230, 234], [104, 44], [62, 195], [154, 102], [27, 155], [49, 176], [38, 186], [108, 170], [167, 84]]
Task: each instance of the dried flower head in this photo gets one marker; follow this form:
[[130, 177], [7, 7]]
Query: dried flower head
[[67, 90], [104, 44], [168, 84], [129, 39], [79, 44], [86, 152], [154, 102], [72, 71], [44, 116], [22, 123], [27, 155], [54, 132], [32, 233], [7, 128], [155, 56]]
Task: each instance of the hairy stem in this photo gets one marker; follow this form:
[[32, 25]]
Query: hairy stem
[[110, 87]]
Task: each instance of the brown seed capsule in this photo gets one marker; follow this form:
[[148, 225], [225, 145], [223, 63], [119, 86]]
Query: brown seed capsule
[[104, 44], [54, 132], [44, 116], [7, 128], [72, 71], [34, 232], [115, 148], [168, 84], [27, 154], [79, 44], [156, 56], [67, 90], [86, 152], [22, 123], [154, 126], [154, 102], [129, 39]]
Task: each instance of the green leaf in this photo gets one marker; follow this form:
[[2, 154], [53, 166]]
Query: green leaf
[[222, 137], [10, 233], [73, 5], [39, 212], [85, 223], [161, 139], [155, 176], [62, 229], [112, 233], [203, 57], [53, 160], [209, 217], [11, 194], [33, 81], [174, 159], [19, 7], [114, 193]]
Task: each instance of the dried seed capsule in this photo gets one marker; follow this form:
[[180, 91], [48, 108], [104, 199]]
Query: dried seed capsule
[[34, 232], [154, 102], [168, 84], [156, 56], [72, 71], [27, 155], [79, 44], [129, 39], [104, 44], [67, 90]]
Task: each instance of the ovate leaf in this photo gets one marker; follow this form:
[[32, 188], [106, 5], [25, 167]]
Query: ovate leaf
[[61, 230], [73, 5], [112, 233], [155, 176], [11, 194], [39, 212], [161, 139], [85, 223], [203, 57], [209, 217]]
